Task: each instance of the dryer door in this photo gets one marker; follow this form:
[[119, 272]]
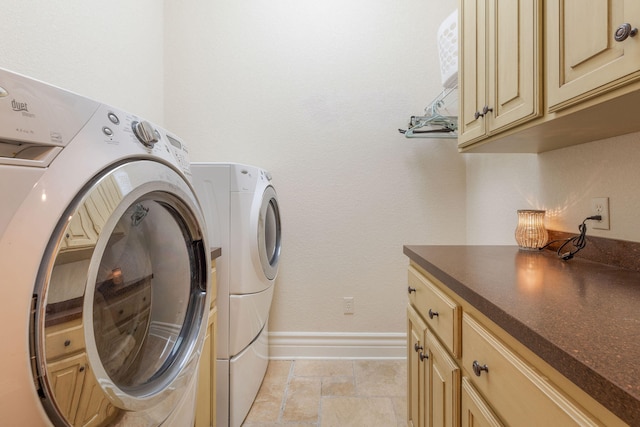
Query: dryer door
[[122, 302], [269, 233]]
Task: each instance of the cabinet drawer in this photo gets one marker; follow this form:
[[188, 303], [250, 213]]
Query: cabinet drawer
[[441, 313], [64, 339], [127, 305], [519, 395]]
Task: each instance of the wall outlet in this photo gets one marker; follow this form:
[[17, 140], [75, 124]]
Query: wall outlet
[[600, 206], [348, 305]]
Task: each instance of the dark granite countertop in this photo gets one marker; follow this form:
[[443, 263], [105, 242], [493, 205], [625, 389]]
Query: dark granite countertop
[[581, 317], [215, 253]]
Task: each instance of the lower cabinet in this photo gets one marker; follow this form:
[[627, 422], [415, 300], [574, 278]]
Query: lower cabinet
[[206, 392], [78, 394], [416, 332], [433, 378], [487, 383], [206, 401], [442, 384], [475, 411]]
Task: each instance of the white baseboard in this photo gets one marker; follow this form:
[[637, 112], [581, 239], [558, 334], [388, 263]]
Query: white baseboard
[[334, 345]]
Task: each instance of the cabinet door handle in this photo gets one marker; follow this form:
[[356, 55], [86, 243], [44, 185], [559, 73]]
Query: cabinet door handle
[[625, 30], [477, 368], [410, 289], [485, 110], [423, 356], [417, 347], [433, 314]]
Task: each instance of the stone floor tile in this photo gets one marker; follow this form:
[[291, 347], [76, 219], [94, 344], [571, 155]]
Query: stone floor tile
[[278, 370], [331, 393], [357, 412], [338, 386], [380, 378], [302, 400], [323, 368]]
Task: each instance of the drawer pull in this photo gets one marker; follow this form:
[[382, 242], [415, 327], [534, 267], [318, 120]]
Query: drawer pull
[[432, 314], [423, 356], [477, 368], [410, 289], [67, 343], [417, 347], [625, 31]]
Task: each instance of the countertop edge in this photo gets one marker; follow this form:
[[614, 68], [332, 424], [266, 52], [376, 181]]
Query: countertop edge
[[623, 404], [215, 253]]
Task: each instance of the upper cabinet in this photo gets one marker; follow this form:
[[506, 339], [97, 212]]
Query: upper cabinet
[[500, 66], [592, 48], [516, 96]]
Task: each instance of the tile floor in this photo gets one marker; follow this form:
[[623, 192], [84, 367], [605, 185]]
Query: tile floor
[[331, 393]]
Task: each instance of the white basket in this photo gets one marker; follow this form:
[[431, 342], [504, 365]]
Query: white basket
[[448, 50]]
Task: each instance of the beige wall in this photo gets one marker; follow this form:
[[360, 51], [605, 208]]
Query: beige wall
[[107, 50], [562, 182], [315, 91]]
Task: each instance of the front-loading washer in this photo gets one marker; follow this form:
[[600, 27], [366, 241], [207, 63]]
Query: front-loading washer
[[243, 218], [103, 252]]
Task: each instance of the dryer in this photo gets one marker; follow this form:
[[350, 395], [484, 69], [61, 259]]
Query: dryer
[[105, 264], [243, 218]]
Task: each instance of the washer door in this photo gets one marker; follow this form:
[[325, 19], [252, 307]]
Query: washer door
[[269, 233], [122, 299]]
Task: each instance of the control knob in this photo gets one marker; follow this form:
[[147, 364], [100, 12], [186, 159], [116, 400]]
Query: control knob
[[145, 132]]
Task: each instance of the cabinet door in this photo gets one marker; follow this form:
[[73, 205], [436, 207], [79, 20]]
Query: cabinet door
[[67, 377], [475, 411], [82, 233], [500, 66], [416, 330], [94, 409], [206, 400], [472, 66], [442, 386], [583, 57], [514, 64]]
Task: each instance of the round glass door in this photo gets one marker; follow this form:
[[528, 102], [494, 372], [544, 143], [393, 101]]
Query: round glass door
[[142, 294], [122, 305], [269, 233]]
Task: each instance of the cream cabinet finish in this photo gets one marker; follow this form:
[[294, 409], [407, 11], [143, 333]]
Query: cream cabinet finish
[[78, 393], [67, 377], [586, 84], [442, 385], [206, 392], [475, 411], [416, 330], [433, 376], [441, 313], [584, 59], [94, 408], [510, 386], [518, 394], [500, 66]]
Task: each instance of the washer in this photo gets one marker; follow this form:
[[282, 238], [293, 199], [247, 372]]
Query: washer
[[243, 218], [104, 260]]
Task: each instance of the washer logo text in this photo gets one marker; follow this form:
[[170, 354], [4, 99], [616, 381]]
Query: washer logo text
[[19, 106]]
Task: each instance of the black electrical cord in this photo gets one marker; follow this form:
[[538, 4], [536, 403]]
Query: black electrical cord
[[579, 241]]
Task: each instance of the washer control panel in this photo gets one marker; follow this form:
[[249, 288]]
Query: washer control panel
[[137, 135], [145, 132]]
